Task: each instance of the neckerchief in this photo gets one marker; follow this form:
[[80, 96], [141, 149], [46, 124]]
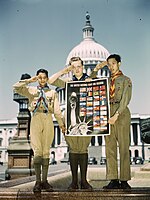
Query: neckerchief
[[112, 84], [41, 97]]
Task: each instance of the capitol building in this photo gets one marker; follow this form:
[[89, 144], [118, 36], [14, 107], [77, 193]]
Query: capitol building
[[91, 52]]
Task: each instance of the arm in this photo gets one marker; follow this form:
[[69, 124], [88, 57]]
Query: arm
[[97, 68], [55, 78], [126, 96], [21, 86], [58, 114]]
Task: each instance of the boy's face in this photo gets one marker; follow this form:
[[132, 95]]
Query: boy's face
[[42, 79], [113, 66], [77, 69]]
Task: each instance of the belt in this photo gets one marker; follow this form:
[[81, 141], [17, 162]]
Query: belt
[[42, 111], [114, 102]]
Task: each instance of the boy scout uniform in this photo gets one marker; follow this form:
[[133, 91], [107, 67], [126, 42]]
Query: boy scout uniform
[[78, 149], [120, 131], [41, 128], [41, 122]]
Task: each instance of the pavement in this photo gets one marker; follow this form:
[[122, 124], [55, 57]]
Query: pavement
[[22, 188], [96, 176]]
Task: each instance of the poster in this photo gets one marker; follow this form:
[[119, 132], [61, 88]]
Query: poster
[[87, 105]]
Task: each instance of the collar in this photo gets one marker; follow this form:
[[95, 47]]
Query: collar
[[119, 73], [84, 76], [46, 87]]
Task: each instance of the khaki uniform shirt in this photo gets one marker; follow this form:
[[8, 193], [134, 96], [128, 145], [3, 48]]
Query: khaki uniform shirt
[[123, 92], [32, 94]]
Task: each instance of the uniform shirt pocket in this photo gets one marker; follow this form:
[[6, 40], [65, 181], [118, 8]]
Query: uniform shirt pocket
[[50, 101], [118, 93]]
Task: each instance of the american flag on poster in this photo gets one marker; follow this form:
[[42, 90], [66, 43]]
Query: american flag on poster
[[87, 106]]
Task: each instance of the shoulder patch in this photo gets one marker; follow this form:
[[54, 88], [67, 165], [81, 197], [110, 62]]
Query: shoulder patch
[[129, 82]]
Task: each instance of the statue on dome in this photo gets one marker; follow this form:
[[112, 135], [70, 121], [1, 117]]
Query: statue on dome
[[87, 15]]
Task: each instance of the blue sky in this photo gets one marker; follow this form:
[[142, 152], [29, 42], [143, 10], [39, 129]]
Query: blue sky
[[40, 34]]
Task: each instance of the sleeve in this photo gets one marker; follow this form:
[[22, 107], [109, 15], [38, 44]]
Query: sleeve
[[93, 74], [126, 95], [21, 88], [59, 83], [57, 111]]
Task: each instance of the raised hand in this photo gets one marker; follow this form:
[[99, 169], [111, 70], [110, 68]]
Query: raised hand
[[67, 69], [100, 65], [33, 79]]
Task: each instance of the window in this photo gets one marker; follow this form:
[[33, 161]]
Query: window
[[9, 140], [135, 133], [93, 141], [1, 142]]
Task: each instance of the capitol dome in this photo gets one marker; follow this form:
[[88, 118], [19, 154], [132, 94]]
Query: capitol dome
[[90, 51]]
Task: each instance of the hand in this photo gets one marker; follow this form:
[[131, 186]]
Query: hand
[[63, 129], [67, 69], [100, 65], [88, 79], [33, 79], [113, 119]]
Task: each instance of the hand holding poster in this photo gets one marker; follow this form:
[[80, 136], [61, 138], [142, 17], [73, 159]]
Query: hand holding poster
[[87, 106]]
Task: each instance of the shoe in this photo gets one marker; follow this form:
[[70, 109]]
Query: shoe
[[125, 185], [86, 185], [73, 186], [46, 186], [114, 184], [37, 187]]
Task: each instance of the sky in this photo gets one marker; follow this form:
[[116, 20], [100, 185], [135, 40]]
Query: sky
[[41, 33]]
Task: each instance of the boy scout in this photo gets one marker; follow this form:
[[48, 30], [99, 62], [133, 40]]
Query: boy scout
[[42, 103], [78, 146], [120, 95]]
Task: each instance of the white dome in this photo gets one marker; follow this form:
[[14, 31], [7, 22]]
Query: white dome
[[88, 50]]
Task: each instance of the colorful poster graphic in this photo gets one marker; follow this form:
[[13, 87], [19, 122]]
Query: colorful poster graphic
[[87, 106]]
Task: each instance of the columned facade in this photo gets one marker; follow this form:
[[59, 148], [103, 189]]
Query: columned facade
[[137, 147], [8, 129]]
